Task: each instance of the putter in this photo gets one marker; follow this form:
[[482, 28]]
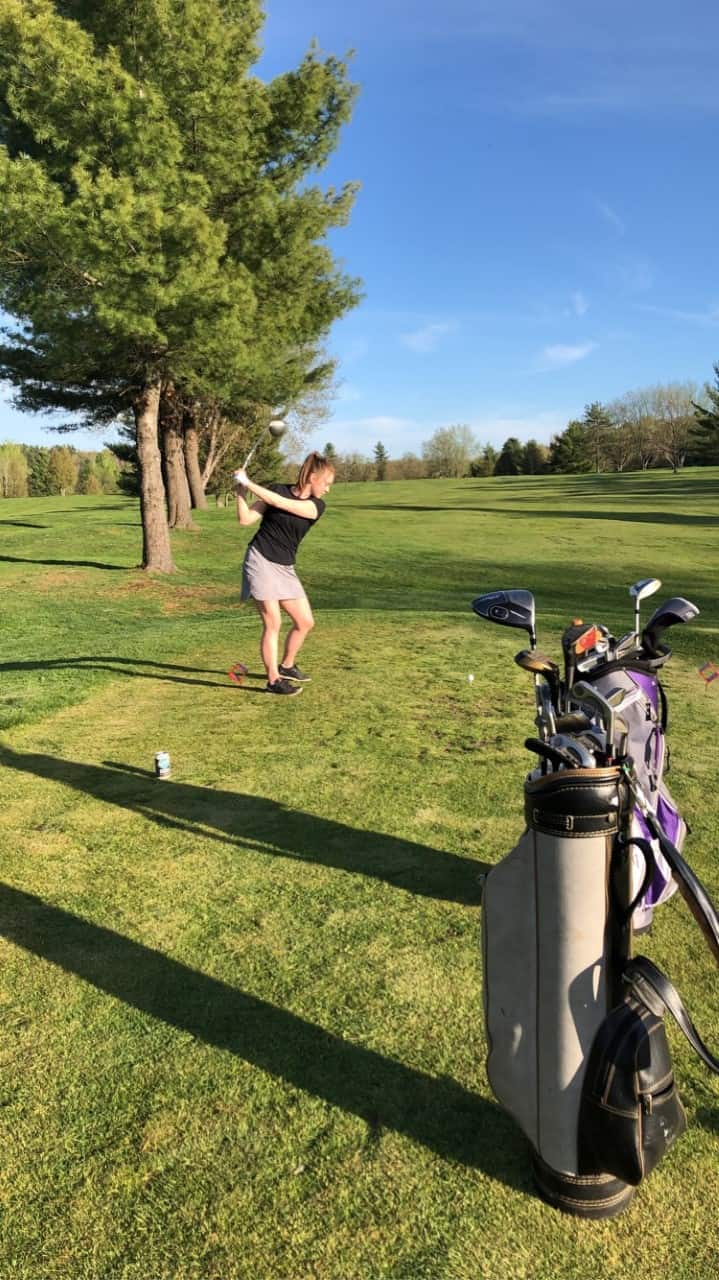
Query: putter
[[667, 615]]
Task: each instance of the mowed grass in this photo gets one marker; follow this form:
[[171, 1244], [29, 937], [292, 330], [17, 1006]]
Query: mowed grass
[[241, 1009]]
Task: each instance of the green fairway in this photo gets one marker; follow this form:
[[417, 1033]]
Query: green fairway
[[242, 1027]]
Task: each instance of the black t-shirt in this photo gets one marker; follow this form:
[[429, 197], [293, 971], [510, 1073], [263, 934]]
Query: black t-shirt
[[280, 532]]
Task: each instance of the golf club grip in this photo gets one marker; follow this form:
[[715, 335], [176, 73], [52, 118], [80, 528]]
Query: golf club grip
[[548, 752], [690, 887]]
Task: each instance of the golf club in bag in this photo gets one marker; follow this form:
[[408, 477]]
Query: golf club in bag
[[577, 1049]]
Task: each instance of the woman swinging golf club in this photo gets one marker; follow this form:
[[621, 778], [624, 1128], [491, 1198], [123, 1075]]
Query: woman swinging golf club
[[287, 513]]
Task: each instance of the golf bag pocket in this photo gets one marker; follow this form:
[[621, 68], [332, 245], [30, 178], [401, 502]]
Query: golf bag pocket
[[630, 1112]]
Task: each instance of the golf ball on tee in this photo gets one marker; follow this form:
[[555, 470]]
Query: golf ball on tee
[[470, 678]]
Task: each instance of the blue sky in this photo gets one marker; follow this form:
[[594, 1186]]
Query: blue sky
[[537, 221]]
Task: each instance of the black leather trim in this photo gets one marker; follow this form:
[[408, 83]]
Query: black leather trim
[[576, 802], [591, 1196]]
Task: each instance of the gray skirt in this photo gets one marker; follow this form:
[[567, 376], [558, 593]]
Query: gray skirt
[[264, 580]]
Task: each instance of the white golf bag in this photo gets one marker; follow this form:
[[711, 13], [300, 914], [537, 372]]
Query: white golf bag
[[577, 1051]]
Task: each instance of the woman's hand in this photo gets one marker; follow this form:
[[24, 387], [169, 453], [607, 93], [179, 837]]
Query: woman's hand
[[240, 478]]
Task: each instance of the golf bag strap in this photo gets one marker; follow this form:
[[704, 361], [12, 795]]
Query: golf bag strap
[[641, 973], [690, 887]]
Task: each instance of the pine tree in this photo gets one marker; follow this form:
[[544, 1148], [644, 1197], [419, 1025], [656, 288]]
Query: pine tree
[[568, 452], [704, 438], [39, 483], [381, 458], [598, 428], [511, 456], [158, 223]]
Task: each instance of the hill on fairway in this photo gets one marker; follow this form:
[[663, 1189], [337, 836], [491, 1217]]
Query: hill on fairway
[[241, 1007]]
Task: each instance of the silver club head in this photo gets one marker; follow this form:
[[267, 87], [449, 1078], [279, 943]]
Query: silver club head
[[639, 591], [588, 696]]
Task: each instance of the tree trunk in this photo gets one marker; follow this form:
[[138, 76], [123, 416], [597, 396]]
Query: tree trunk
[[156, 553], [198, 497], [179, 513]]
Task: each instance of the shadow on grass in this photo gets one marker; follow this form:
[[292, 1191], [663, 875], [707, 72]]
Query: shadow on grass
[[119, 667], [554, 513], [26, 524], [263, 826], [72, 564], [437, 1112]]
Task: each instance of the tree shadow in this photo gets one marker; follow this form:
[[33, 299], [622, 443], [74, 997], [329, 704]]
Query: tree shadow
[[553, 513], [265, 826], [26, 524], [437, 1112], [73, 564]]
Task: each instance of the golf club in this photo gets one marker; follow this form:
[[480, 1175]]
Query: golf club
[[585, 756], [586, 695], [667, 615], [579, 638], [509, 609], [639, 591], [546, 715], [276, 429], [539, 664]]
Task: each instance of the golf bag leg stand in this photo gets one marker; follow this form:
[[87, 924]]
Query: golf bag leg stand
[[553, 946]]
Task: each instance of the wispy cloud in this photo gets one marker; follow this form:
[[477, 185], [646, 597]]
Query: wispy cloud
[[611, 216], [426, 339], [561, 355], [710, 315], [580, 306]]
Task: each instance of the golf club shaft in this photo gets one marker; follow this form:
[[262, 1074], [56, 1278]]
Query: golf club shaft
[[252, 449]]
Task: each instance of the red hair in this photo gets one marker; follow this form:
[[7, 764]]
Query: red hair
[[313, 463]]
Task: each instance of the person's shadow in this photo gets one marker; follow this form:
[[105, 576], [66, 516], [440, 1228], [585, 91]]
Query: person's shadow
[[253, 822]]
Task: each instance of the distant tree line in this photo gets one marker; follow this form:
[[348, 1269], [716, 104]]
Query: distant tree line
[[35, 471], [670, 425]]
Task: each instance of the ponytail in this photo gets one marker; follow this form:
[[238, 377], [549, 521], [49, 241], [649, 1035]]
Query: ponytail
[[313, 463]]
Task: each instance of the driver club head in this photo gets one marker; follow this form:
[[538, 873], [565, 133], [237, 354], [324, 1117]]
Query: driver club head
[[666, 615], [513, 608]]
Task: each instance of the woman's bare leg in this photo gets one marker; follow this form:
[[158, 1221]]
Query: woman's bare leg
[[269, 611], [302, 623]]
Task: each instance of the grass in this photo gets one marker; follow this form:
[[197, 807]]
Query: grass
[[243, 1032]]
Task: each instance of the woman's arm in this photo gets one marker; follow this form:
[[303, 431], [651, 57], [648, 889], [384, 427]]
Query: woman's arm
[[296, 506], [246, 514]]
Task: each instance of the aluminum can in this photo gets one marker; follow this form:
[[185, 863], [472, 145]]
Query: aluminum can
[[162, 764]]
